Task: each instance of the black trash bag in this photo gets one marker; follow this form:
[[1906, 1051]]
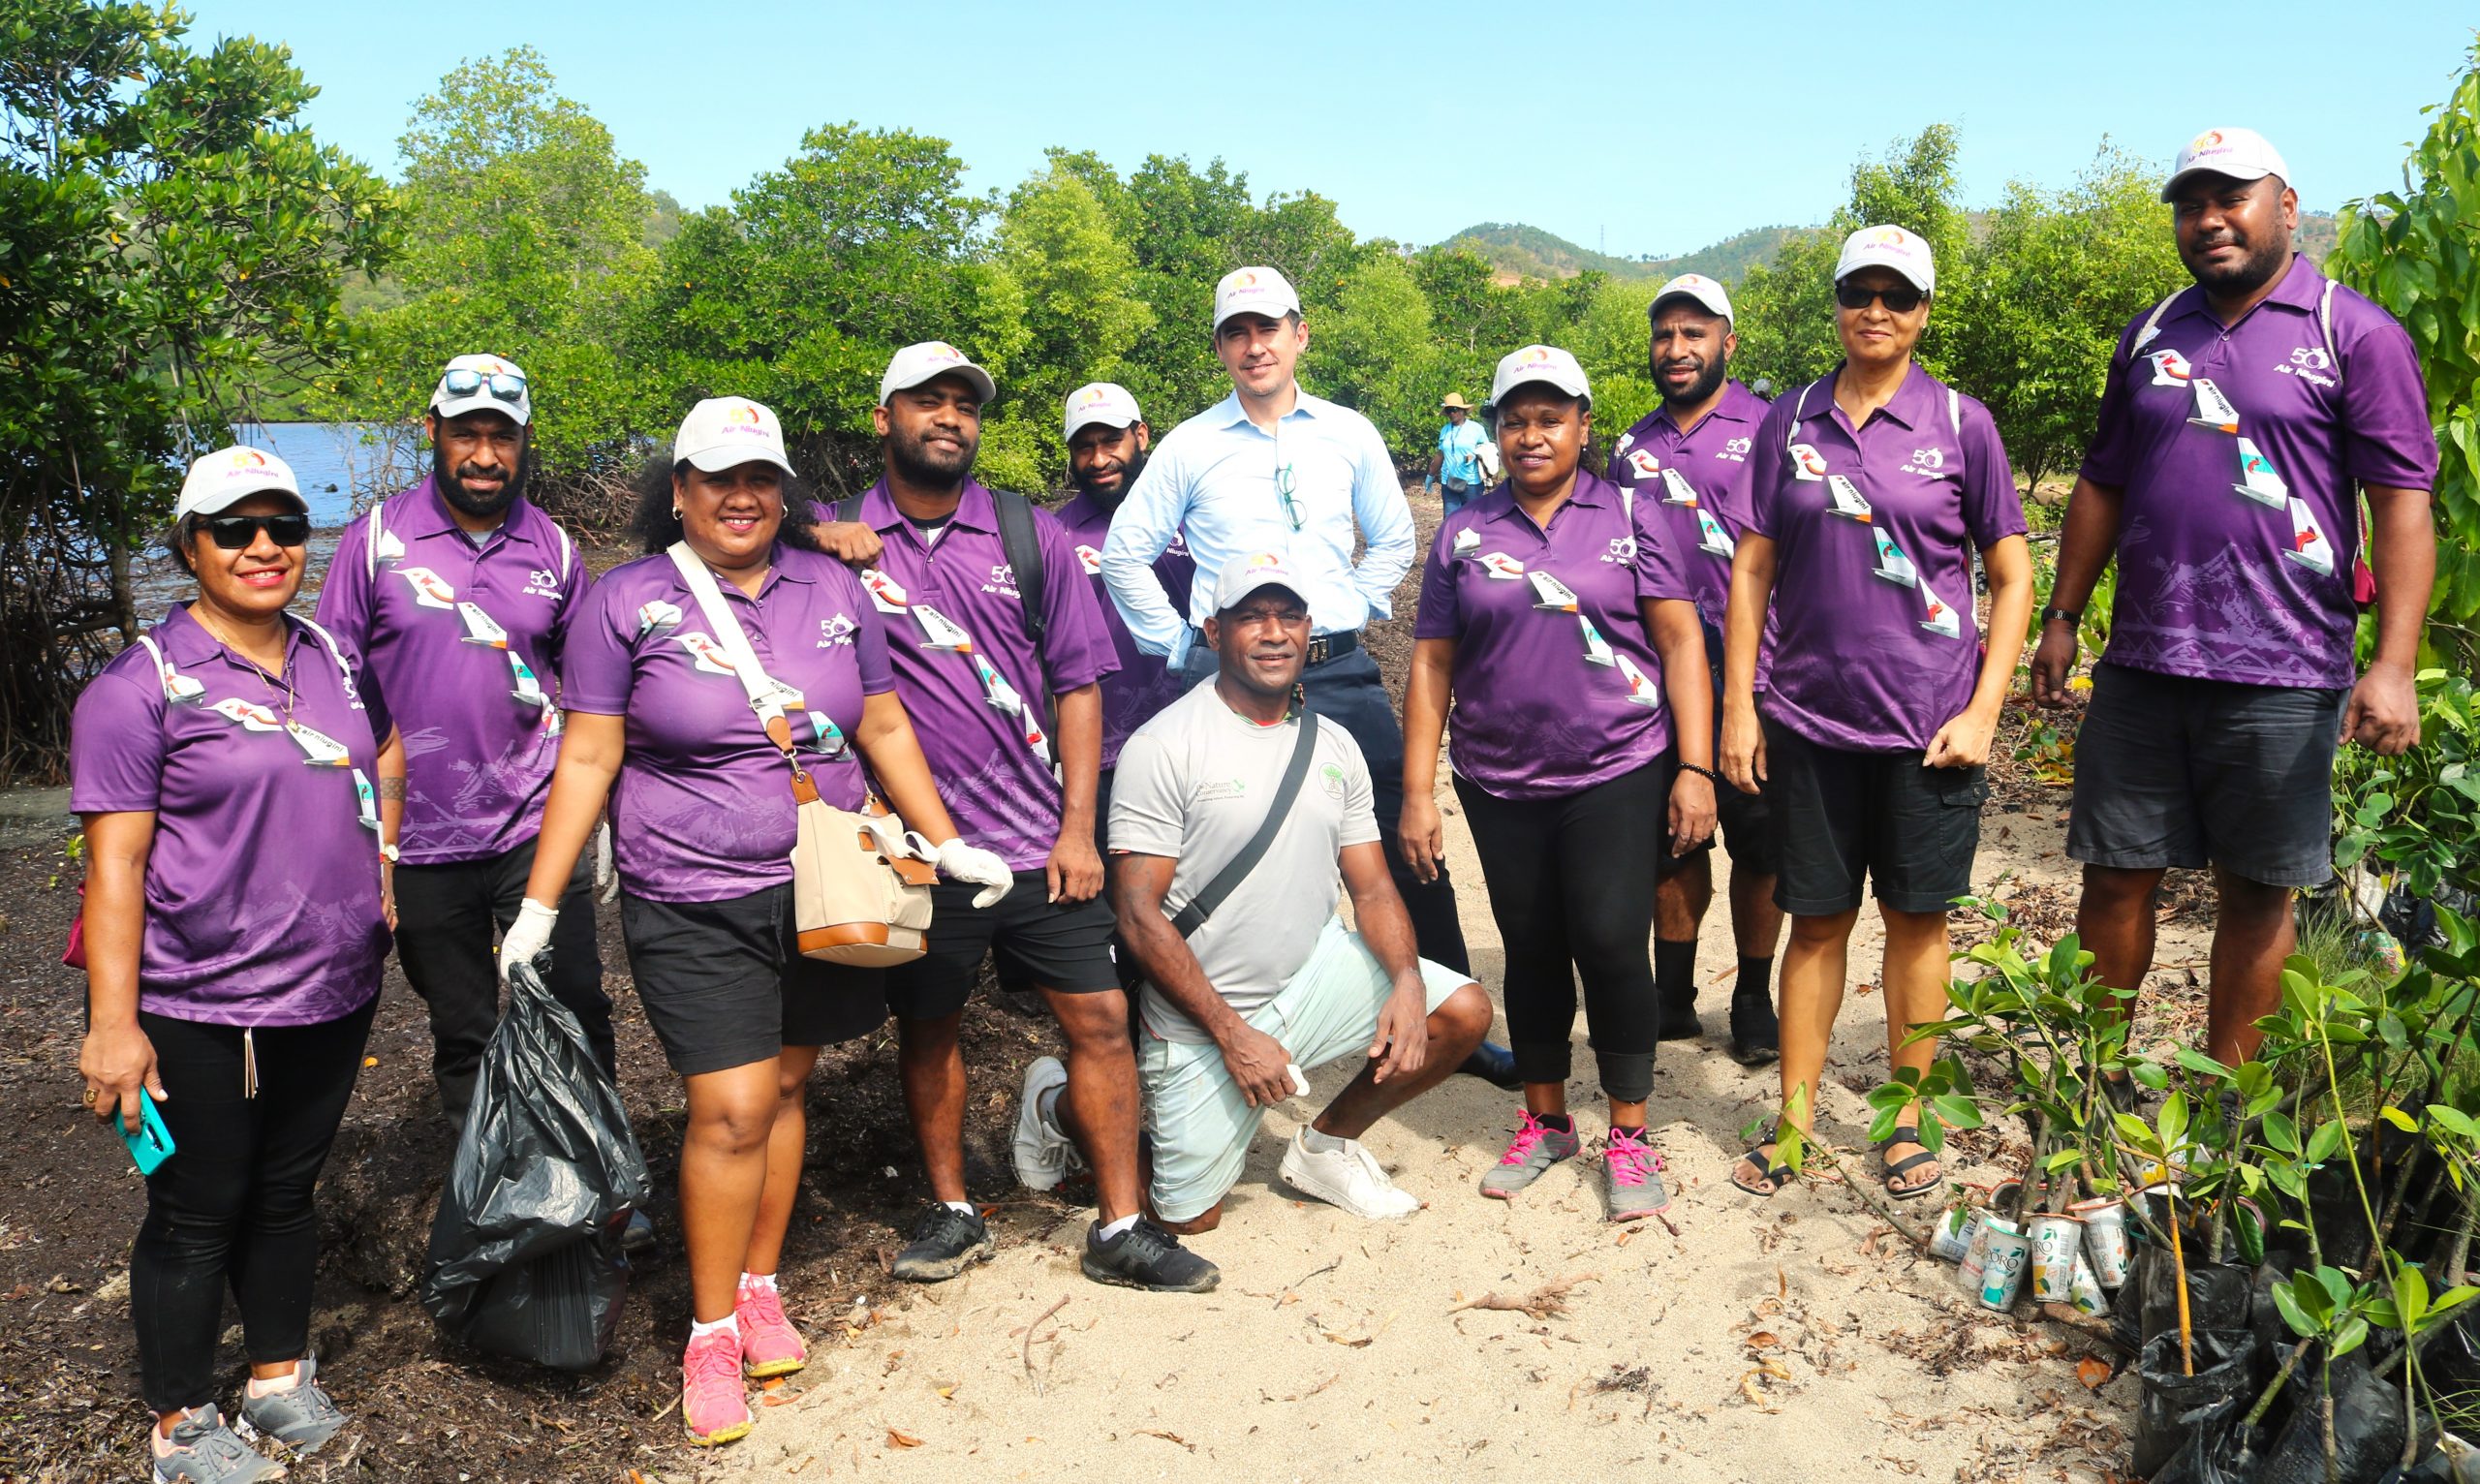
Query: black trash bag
[[2273, 1332], [2220, 1450], [2217, 1296], [2368, 1425], [2175, 1408], [525, 1254], [2126, 1306]]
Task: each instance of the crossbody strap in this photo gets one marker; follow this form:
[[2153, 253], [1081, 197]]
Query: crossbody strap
[[1024, 549], [1188, 920], [763, 698]]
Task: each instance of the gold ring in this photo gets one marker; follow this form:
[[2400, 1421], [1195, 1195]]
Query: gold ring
[[90, 1097]]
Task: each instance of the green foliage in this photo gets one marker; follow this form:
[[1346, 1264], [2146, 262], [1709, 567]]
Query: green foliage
[[2417, 252], [1072, 269], [2416, 817], [170, 238], [1529, 252]]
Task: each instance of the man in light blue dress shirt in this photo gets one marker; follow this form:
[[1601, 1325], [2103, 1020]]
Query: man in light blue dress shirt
[[1272, 469]]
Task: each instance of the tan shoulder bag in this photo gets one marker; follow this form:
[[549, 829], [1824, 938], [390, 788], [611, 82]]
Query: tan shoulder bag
[[860, 888]]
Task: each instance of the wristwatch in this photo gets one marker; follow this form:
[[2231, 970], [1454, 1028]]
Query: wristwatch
[[387, 852], [2073, 616]]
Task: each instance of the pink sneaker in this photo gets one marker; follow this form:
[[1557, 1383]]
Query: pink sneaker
[[1632, 1177], [1536, 1147], [769, 1345], [713, 1406]]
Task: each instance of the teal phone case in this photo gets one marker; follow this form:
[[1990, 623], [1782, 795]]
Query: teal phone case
[[152, 1144]]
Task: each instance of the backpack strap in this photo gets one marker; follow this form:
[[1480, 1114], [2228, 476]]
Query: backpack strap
[[370, 540], [1188, 920], [1955, 413], [1023, 547]]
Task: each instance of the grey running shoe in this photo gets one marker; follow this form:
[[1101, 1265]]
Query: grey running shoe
[[945, 1241], [1536, 1147], [301, 1417], [1043, 1155], [1632, 1177], [204, 1451]]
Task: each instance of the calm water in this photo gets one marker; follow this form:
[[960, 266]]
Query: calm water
[[340, 466]]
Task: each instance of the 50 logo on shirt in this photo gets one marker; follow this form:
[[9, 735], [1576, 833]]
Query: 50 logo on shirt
[[1003, 580]]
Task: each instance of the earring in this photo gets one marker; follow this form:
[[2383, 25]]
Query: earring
[[675, 512]]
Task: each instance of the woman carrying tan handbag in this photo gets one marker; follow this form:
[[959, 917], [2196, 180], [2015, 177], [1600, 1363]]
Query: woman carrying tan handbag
[[705, 825]]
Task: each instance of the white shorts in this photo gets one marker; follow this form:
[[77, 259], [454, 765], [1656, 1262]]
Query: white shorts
[[1200, 1122]]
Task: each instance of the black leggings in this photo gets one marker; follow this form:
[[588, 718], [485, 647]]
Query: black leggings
[[1572, 887], [233, 1203]]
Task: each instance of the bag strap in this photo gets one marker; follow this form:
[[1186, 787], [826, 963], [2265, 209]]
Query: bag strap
[[334, 653], [763, 698], [1188, 920], [2153, 320], [1024, 549], [370, 541]]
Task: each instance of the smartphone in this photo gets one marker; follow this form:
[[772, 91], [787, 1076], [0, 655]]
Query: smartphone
[[152, 1144]]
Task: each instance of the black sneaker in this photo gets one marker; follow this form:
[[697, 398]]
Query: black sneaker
[[1146, 1257], [1756, 1036], [945, 1241], [1678, 1022]]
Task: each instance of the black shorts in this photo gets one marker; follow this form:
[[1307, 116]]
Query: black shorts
[[1840, 816], [1061, 945], [2173, 771], [1743, 825], [723, 985]]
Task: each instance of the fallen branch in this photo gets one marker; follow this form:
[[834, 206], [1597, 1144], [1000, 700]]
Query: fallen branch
[[2076, 1319], [1304, 1278], [1030, 1373]]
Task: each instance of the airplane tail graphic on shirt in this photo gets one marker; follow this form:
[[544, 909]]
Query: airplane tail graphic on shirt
[[1676, 490], [2258, 479], [1467, 542], [1844, 499], [2212, 409], [1598, 650], [1550, 595], [1641, 691], [528, 687], [2308, 547], [940, 632], [1711, 537], [481, 627], [1941, 619], [1892, 564]]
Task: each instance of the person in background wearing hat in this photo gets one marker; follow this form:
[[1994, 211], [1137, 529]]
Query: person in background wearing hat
[[1271, 467], [1456, 466], [970, 666], [661, 728], [1271, 981], [240, 791], [1869, 491], [459, 591], [2236, 420], [1554, 625], [1684, 466]]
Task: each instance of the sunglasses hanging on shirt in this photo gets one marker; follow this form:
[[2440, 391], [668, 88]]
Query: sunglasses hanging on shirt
[[237, 533]]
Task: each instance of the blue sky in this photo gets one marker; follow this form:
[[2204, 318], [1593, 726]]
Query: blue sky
[[1639, 127]]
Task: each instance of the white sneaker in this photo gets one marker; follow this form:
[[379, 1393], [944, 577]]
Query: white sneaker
[[1043, 1155], [1349, 1177]]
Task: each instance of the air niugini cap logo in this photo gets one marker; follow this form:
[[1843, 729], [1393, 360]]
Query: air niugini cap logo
[[1104, 402], [1885, 246], [232, 474], [1242, 577], [1546, 363], [1695, 288], [723, 433], [2241, 154], [1255, 290]]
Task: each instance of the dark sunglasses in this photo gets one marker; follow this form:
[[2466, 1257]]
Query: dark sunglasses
[[1902, 299], [238, 533]]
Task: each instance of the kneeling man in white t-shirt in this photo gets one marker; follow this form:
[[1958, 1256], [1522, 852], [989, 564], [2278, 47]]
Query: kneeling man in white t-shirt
[[1271, 981]]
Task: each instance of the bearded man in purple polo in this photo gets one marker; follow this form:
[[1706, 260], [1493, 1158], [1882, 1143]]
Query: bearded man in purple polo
[[2244, 420]]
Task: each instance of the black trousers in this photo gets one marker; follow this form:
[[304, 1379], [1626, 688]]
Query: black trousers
[[1572, 887], [447, 918], [232, 1206], [1350, 688]]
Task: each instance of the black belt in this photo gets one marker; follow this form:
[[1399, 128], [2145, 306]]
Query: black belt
[[1332, 646]]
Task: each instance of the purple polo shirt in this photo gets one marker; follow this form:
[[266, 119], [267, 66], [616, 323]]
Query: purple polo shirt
[[2237, 448], [262, 887], [997, 780], [1874, 528], [1710, 461], [464, 643], [1557, 685], [1143, 683], [702, 810]]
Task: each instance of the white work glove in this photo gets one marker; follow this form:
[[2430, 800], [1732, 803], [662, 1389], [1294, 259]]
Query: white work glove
[[958, 861], [528, 936], [607, 876]]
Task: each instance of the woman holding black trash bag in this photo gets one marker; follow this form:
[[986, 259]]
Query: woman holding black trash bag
[[660, 724], [241, 803]]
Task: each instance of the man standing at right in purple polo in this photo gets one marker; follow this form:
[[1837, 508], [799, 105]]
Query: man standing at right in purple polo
[[2242, 419], [1689, 458]]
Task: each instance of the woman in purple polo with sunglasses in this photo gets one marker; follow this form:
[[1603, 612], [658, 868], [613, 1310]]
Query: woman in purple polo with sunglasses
[[1871, 489], [240, 799]]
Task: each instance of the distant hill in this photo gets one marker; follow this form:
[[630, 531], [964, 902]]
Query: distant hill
[[1529, 252], [1518, 251]]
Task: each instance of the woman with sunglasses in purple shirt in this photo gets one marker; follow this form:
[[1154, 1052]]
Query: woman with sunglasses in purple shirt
[[240, 797], [1871, 489]]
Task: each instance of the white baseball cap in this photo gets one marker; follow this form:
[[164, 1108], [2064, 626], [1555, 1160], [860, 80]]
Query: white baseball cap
[[1246, 574], [929, 359], [723, 433], [1256, 290], [1888, 247], [1541, 363], [2241, 154], [476, 383], [1692, 285], [229, 475], [1104, 402]]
